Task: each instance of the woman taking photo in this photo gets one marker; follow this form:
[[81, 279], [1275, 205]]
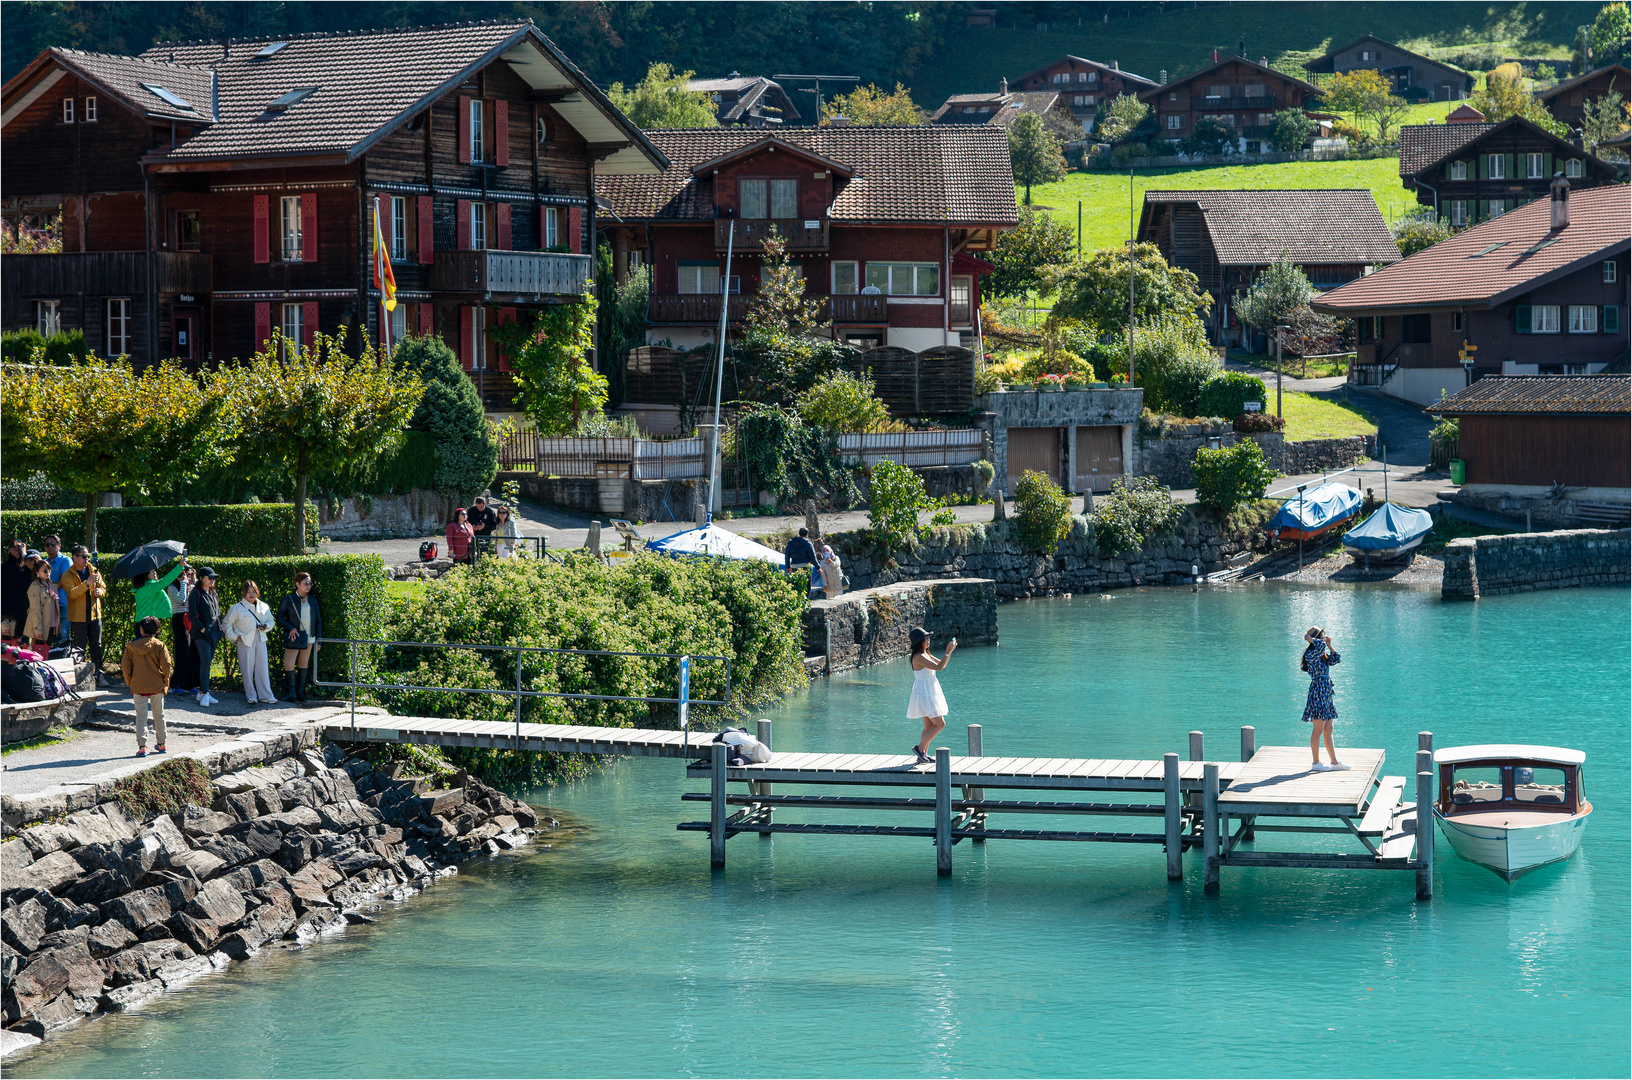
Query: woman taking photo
[[247, 625], [184, 678], [300, 624], [461, 537], [927, 701], [1318, 657]]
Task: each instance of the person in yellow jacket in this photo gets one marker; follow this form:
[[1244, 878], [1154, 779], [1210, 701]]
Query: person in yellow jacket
[[85, 587]]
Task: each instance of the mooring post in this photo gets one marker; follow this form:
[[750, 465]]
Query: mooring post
[[943, 811], [765, 788], [1249, 746], [975, 794], [1197, 752], [1425, 820], [1174, 842], [1209, 820], [716, 817]]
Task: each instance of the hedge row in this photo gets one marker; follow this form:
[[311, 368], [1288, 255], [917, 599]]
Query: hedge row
[[246, 530], [350, 588]]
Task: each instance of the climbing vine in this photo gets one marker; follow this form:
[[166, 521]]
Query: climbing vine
[[792, 460]]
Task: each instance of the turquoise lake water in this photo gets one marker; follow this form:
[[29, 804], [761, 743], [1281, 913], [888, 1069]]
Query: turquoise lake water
[[618, 953]]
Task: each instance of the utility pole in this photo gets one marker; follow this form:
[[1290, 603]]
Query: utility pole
[[1132, 239], [1280, 351], [715, 472]]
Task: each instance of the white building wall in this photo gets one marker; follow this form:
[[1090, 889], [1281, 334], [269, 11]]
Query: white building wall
[[1423, 385]]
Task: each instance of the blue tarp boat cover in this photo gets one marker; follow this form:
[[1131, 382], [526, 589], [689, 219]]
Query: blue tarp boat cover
[[1317, 508], [1390, 527], [710, 539]]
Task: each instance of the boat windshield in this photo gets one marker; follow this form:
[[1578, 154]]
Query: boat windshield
[[1538, 784], [1480, 784]]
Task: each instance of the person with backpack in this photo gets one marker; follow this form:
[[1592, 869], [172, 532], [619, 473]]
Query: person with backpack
[[146, 668], [42, 606], [247, 624], [85, 588], [300, 622], [204, 619]]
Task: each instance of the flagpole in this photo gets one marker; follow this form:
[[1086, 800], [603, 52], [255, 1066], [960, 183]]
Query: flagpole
[[384, 336]]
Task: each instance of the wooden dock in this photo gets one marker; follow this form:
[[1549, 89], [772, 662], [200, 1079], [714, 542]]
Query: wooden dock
[[537, 738]]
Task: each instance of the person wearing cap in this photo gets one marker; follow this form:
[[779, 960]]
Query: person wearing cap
[[927, 702], [84, 589], [59, 565], [14, 582], [204, 613], [1319, 654]]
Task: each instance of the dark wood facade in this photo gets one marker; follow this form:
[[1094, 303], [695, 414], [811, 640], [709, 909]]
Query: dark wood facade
[[1084, 86], [1539, 451], [1235, 92], [1410, 74], [1501, 170], [1567, 101]]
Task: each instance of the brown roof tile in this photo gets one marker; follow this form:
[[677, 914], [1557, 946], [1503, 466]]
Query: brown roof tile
[[1423, 145], [1482, 266], [1624, 75], [949, 174], [124, 76], [1545, 394], [1314, 226]]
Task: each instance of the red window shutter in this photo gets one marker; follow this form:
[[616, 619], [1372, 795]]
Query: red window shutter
[[506, 315], [426, 314], [263, 228], [308, 227], [427, 232], [308, 323], [504, 226], [501, 133], [575, 228], [263, 325], [464, 131], [462, 226], [465, 331]]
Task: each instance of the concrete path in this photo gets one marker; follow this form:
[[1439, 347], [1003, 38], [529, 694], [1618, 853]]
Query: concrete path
[[1288, 382]]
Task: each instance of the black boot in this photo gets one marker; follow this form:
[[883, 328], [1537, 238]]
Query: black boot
[[300, 685], [288, 687]]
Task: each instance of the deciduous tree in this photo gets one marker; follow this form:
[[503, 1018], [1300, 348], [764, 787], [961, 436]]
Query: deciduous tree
[[548, 357], [1610, 37], [1028, 256], [661, 100], [1095, 291], [1505, 95], [1034, 154], [1291, 130], [1603, 118], [870, 106], [1121, 115]]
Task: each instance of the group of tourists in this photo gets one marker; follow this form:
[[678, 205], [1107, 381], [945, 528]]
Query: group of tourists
[[48, 599], [826, 572], [484, 527]]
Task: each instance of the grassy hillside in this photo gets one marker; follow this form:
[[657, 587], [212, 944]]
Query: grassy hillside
[[1182, 38], [1105, 196]]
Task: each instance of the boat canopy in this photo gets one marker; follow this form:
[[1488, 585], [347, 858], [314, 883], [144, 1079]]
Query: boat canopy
[[1316, 508], [1389, 528], [712, 540], [1552, 755]]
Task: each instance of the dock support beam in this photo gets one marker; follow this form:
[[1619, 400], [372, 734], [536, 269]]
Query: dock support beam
[[764, 787], [943, 811], [1174, 843], [1209, 811], [1198, 750], [716, 816], [975, 794], [1249, 746], [1425, 815]]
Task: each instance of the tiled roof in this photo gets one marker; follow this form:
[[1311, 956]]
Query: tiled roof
[[1490, 262], [1126, 75], [123, 76], [1622, 72], [953, 174], [1425, 145], [1325, 63], [1315, 226], [1182, 80], [1006, 108], [1547, 394]]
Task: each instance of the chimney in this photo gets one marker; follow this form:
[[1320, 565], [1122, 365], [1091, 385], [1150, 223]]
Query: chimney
[[1216, 56], [1560, 190], [838, 121], [1243, 48], [1161, 77], [1003, 85], [1263, 61], [1465, 114], [1116, 65], [226, 47]]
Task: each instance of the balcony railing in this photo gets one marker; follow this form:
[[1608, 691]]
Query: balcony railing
[[1238, 104], [705, 308], [516, 273], [751, 233], [101, 273]]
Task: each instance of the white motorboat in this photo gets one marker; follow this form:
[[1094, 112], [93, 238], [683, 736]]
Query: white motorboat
[[1512, 808]]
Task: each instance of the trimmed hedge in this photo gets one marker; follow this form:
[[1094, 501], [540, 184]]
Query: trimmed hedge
[[246, 530], [350, 588]]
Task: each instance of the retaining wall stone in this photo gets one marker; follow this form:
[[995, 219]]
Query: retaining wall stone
[[1525, 562], [860, 628]]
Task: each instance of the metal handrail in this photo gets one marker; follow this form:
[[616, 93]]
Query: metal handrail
[[682, 696]]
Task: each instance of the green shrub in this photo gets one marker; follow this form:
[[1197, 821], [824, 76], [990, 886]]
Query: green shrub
[[1042, 511], [791, 460], [413, 466], [1446, 429], [1254, 423], [843, 402], [1182, 384], [895, 494], [451, 412], [1231, 475], [64, 347], [1135, 510], [943, 517], [245, 530], [32, 492], [987, 472], [1226, 393]]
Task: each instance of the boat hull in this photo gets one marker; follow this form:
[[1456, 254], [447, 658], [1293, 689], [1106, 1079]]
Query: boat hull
[[1512, 851], [1384, 554]]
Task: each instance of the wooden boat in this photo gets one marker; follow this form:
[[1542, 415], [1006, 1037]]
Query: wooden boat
[[1512, 808], [1311, 514], [1389, 533]]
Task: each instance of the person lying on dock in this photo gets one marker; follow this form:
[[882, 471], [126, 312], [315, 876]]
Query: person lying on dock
[[1318, 657]]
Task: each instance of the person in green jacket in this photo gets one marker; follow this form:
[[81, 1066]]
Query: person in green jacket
[[150, 596]]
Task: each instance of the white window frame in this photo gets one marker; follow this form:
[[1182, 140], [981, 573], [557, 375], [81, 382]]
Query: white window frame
[[1456, 322], [1175, 121], [1583, 318], [478, 226], [1544, 318], [290, 241], [90, 110], [1459, 170], [1495, 208], [1575, 168], [476, 130], [116, 320], [1609, 271], [48, 317], [699, 279], [478, 338], [905, 278], [965, 284], [1458, 212], [852, 269], [1498, 166], [399, 322], [543, 134], [292, 323], [552, 226], [67, 110], [399, 228], [1535, 166]]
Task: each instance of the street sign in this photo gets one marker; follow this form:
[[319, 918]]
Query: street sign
[[1465, 354], [1252, 406]]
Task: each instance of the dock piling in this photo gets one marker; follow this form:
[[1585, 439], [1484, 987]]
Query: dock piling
[[1174, 842], [1209, 810], [1425, 816], [1197, 746], [975, 794], [764, 737], [1249, 746], [716, 816], [943, 811]]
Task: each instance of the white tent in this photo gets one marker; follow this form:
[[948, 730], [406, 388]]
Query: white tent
[[710, 539]]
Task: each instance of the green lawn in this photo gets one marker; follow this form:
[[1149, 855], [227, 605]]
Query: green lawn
[[404, 590], [1316, 418], [1105, 196]]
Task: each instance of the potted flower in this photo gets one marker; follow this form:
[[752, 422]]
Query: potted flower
[[1051, 382]]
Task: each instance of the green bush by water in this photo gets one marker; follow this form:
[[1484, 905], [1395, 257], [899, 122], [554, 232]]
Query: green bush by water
[[1231, 475], [1136, 510], [1042, 511]]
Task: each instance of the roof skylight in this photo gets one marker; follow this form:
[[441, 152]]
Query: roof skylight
[[1548, 242], [1486, 251], [271, 50], [167, 97], [279, 104]]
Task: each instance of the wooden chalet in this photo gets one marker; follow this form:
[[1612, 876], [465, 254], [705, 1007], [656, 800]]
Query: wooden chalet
[[1084, 85], [749, 100], [213, 191], [1003, 108], [1233, 91], [1411, 75], [1542, 290], [1470, 171], [1567, 100]]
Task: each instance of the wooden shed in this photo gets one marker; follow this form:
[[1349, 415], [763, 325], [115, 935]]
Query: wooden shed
[[1523, 432]]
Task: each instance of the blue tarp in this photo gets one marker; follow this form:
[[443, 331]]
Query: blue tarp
[[1317, 508], [710, 539], [1389, 528]]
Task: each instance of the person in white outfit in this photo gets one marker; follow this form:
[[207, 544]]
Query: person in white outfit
[[247, 624], [927, 701]]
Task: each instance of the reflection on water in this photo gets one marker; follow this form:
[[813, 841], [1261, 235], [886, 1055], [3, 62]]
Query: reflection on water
[[621, 954]]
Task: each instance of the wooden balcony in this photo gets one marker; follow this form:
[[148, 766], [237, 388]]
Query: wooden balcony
[[520, 274], [103, 273], [704, 309], [751, 233]]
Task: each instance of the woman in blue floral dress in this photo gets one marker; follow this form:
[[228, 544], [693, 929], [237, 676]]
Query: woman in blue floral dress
[[1318, 657]]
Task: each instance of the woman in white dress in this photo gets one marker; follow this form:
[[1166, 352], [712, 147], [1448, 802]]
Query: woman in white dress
[[247, 625], [927, 701]]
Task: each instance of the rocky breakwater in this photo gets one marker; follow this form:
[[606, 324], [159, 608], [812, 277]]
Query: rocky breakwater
[[102, 910]]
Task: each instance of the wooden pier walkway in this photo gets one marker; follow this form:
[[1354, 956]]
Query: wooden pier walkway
[[538, 738]]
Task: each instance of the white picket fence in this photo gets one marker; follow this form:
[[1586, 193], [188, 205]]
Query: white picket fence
[[636, 459]]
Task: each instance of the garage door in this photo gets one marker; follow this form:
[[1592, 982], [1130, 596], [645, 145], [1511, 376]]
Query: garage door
[[1034, 449], [1099, 457]]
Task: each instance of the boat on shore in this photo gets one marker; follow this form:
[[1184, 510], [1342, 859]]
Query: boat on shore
[[1311, 514], [1512, 808], [1391, 532]]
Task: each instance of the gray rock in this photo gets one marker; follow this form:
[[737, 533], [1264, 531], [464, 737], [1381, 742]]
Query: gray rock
[[59, 1013], [304, 791], [312, 762], [218, 902], [510, 841], [253, 876], [109, 938], [299, 848], [267, 801], [14, 855], [60, 914], [240, 805], [142, 961], [151, 906], [197, 821], [320, 872], [13, 1041], [200, 935], [177, 972], [262, 839], [49, 872], [200, 864], [316, 921], [23, 925], [230, 850], [301, 817], [172, 842], [523, 813], [121, 998], [98, 887]]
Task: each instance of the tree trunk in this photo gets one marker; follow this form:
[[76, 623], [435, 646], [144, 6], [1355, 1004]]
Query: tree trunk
[[90, 519], [300, 501]]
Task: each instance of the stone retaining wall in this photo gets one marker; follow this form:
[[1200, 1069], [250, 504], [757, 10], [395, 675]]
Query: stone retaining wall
[[1524, 562], [376, 517], [1320, 455], [1172, 460], [860, 628], [100, 912]]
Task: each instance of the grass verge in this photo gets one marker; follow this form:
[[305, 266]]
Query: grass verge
[[164, 789], [1309, 417], [60, 734]]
